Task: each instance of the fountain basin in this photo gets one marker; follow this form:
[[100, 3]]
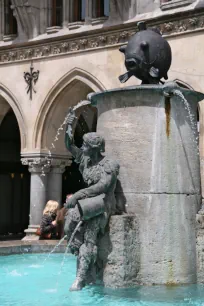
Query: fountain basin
[[25, 281], [149, 132], [29, 247]]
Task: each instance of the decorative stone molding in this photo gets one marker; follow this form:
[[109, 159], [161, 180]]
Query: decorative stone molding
[[75, 25], [99, 20], [58, 165], [45, 164], [9, 37], [181, 26], [78, 43], [27, 14], [174, 4], [55, 29], [37, 165]]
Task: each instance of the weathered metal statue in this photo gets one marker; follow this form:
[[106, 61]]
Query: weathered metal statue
[[93, 205], [147, 56]]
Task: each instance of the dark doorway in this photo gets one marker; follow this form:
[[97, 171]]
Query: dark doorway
[[72, 178], [14, 180]]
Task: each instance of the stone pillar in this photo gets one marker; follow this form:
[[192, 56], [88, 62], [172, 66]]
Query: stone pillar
[[89, 11], [55, 180], [66, 13], [43, 16], [1, 19], [38, 194], [49, 13]]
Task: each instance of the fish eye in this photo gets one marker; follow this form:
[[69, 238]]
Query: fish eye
[[131, 62], [144, 45]]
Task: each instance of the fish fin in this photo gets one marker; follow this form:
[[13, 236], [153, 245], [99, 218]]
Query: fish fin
[[156, 30], [166, 77], [154, 72], [124, 77], [123, 48]]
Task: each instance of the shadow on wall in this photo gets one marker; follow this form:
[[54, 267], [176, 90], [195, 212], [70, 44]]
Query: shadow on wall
[[120, 199]]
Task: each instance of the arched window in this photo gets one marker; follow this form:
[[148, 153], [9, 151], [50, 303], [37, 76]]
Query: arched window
[[57, 10], [79, 10], [10, 23], [101, 8]]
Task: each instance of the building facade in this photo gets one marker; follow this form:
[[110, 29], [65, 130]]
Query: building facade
[[69, 48]]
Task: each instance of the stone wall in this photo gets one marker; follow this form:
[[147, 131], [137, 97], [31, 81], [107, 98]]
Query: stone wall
[[155, 143], [119, 252]]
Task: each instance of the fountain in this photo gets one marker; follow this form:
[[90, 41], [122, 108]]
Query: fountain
[[151, 131]]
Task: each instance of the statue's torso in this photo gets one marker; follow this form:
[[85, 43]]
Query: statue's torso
[[92, 174]]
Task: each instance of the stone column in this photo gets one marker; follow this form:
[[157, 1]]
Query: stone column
[[55, 179], [49, 13], [43, 23], [1, 19], [89, 11], [66, 13], [38, 194]]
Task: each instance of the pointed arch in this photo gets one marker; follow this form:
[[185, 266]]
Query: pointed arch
[[6, 94], [73, 77]]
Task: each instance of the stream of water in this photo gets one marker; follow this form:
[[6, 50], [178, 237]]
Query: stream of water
[[193, 120]]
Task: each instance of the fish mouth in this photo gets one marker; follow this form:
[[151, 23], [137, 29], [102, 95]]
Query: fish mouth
[[132, 64]]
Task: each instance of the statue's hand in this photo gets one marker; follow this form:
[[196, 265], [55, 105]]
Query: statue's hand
[[71, 116], [71, 202]]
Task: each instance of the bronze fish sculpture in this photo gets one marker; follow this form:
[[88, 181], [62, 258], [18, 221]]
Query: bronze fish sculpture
[[147, 56]]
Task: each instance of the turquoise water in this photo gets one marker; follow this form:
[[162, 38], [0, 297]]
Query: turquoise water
[[28, 280]]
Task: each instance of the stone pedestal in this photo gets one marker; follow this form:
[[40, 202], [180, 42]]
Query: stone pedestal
[[119, 251], [155, 142], [200, 245]]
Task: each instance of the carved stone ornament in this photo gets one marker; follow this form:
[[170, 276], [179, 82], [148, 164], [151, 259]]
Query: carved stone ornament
[[31, 78], [101, 39], [37, 165], [45, 164]]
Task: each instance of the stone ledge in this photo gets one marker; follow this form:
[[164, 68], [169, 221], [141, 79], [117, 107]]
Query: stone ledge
[[175, 4], [22, 247]]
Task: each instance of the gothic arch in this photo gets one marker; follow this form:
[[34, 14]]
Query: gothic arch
[[76, 77], [13, 103]]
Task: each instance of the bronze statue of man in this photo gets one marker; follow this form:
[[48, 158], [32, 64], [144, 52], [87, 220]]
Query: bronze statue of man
[[100, 175]]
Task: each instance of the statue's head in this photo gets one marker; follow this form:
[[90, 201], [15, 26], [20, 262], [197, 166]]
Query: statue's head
[[92, 143]]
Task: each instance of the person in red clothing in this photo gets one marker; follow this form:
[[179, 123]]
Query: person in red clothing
[[61, 213], [48, 224]]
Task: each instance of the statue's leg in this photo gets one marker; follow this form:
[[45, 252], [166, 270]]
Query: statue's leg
[[71, 220], [87, 253]]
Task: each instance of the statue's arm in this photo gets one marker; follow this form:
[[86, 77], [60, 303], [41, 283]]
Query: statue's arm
[[69, 139], [100, 187], [69, 143], [108, 177]]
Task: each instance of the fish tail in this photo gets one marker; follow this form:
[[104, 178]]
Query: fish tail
[[124, 77]]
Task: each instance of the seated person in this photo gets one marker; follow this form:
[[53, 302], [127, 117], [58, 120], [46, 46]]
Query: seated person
[[48, 224], [61, 213]]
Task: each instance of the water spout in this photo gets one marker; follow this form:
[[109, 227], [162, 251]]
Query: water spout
[[57, 245], [192, 118]]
